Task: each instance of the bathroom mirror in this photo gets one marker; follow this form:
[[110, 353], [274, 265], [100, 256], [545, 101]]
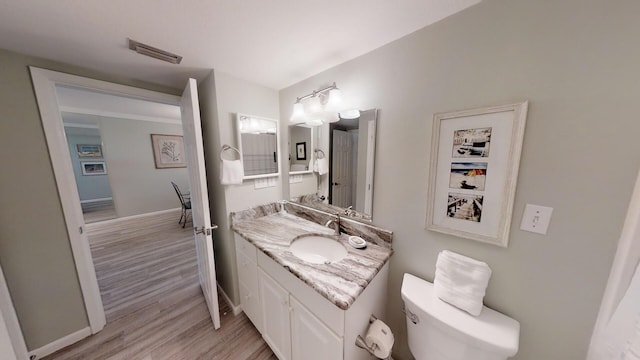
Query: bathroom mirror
[[349, 146], [301, 147], [258, 142]]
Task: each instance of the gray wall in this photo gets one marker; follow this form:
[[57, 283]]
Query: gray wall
[[137, 186], [223, 245], [221, 97], [132, 179], [89, 187], [575, 62], [36, 258]]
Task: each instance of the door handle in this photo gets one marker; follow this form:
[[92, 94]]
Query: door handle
[[204, 230]]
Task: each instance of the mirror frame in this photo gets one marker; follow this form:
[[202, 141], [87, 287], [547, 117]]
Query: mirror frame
[[321, 141], [239, 141], [310, 151]]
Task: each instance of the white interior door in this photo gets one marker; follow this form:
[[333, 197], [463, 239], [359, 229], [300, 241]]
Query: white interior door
[[341, 169], [618, 324], [199, 198]]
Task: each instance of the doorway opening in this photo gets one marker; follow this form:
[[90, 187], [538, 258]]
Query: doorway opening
[[89, 167], [46, 84], [113, 150]]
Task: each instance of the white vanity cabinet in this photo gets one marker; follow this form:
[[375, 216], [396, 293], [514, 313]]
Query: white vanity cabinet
[[248, 281], [276, 329], [310, 338], [297, 322]]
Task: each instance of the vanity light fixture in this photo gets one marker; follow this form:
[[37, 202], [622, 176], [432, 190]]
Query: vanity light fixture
[[319, 107]]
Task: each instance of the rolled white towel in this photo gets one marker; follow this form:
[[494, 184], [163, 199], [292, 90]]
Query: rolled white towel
[[231, 172], [321, 166], [461, 281]]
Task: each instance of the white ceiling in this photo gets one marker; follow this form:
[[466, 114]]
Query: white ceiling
[[275, 43]]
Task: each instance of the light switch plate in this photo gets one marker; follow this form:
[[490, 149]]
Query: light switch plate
[[265, 182], [260, 183], [536, 219]]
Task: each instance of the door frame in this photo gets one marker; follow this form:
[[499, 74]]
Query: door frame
[[625, 262], [44, 83], [9, 320]]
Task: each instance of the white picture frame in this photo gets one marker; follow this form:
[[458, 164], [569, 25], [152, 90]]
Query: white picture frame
[[89, 150], [92, 168], [168, 151], [473, 171]]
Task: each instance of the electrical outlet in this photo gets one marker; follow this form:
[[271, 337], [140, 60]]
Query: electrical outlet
[[536, 219]]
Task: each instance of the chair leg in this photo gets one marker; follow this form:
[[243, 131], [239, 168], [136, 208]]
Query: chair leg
[[186, 217]]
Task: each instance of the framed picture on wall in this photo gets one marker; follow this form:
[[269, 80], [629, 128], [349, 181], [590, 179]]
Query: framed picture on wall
[[168, 151], [89, 150], [301, 151], [475, 156], [90, 168]]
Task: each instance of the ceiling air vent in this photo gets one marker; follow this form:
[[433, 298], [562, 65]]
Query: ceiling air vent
[[153, 52]]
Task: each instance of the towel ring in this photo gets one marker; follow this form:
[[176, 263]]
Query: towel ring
[[318, 153], [226, 147]]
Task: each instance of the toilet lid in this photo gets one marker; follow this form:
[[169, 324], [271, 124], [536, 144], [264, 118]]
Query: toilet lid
[[489, 329]]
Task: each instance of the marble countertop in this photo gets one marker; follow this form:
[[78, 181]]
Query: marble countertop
[[340, 282]]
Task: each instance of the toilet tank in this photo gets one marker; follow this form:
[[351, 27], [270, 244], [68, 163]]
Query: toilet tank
[[437, 330]]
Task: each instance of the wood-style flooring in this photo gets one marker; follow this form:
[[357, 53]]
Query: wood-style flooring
[[99, 214], [147, 273]]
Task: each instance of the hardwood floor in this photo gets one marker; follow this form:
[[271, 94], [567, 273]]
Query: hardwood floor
[[100, 214], [148, 279]]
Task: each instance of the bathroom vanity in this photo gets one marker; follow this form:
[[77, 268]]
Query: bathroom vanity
[[302, 309]]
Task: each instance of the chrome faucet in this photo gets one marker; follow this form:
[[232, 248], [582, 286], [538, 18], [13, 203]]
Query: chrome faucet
[[335, 224], [350, 212]]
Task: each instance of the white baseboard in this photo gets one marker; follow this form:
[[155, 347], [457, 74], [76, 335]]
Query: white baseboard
[[132, 217], [60, 343], [95, 200], [235, 309]]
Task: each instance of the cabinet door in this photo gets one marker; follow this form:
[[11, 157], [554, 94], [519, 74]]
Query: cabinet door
[[310, 338], [248, 284], [275, 316]]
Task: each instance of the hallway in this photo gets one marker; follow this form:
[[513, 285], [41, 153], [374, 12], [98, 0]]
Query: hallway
[[147, 273]]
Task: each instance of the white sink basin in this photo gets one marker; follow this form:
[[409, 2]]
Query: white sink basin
[[318, 249]]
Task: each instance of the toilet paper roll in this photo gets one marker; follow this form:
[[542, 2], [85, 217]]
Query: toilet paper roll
[[380, 339]]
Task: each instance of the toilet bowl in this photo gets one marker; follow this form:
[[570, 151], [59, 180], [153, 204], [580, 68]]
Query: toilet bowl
[[439, 331]]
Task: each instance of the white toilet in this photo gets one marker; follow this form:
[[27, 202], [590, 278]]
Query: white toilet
[[439, 331]]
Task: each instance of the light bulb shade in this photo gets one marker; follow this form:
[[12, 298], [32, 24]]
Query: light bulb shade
[[313, 105], [331, 117], [314, 122], [298, 115], [350, 114], [334, 103]]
